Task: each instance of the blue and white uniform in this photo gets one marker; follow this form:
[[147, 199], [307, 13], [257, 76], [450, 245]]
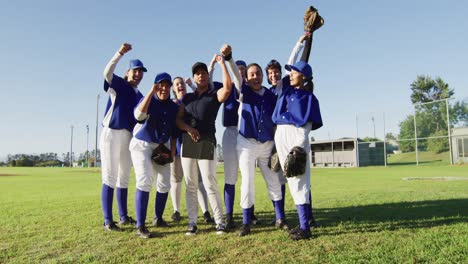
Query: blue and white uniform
[[115, 137], [297, 111], [155, 127], [254, 145]]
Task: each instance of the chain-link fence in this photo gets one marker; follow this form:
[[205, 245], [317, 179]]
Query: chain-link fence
[[423, 137]]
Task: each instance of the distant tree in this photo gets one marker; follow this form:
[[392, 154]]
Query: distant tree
[[370, 139], [431, 118]]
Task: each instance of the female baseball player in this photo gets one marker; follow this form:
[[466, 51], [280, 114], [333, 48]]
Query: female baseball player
[[116, 134], [296, 113], [156, 115], [231, 160], [179, 90], [255, 140], [196, 117], [293, 58]]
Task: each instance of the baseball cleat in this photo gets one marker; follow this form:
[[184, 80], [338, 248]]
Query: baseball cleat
[[112, 227], [220, 229], [159, 222], [314, 224], [230, 222], [143, 232], [300, 235], [244, 230], [255, 220], [176, 216], [192, 230], [207, 217], [127, 221], [281, 224]]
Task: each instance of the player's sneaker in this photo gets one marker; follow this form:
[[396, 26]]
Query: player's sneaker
[[127, 221], [300, 234], [176, 216], [220, 229], [281, 224], [112, 227], [143, 232], [192, 230], [207, 217], [244, 230], [159, 222]]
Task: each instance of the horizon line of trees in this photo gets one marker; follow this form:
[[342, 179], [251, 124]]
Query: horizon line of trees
[[49, 159]]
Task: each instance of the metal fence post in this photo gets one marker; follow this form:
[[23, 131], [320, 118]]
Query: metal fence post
[[416, 138]]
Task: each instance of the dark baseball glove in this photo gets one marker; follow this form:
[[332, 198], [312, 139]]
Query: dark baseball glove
[[312, 20], [162, 155], [273, 162], [295, 163]]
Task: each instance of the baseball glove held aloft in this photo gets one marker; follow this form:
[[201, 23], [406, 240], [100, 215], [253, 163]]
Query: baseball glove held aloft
[[162, 155], [295, 163], [312, 20]]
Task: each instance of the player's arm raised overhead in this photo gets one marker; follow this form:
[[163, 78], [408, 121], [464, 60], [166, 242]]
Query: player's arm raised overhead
[[110, 67], [226, 51], [293, 58], [225, 91]]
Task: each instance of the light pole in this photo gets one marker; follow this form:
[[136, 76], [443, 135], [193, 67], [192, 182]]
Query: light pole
[[97, 118], [71, 148], [87, 146], [373, 124]]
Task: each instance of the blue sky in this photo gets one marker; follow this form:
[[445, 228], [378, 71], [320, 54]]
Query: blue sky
[[364, 58]]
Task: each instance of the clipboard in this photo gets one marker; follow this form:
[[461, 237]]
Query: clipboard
[[203, 149]]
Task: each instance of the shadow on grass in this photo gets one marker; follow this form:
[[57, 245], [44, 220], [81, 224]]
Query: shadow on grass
[[380, 217], [404, 163]]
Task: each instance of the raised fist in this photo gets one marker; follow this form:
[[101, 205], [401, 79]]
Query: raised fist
[[125, 48]]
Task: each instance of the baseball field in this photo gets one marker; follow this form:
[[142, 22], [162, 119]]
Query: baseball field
[[368, 215]]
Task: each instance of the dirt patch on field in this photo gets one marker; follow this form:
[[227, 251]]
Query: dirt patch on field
[[85, 171], [436, 179], [9, 174]]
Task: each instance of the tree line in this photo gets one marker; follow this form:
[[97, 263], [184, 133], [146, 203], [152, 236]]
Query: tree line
[[50, 159]]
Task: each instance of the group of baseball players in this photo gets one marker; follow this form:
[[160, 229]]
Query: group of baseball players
[[257, 121]]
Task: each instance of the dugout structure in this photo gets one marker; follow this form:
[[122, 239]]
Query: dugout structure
[[460, 145], [347, 152]]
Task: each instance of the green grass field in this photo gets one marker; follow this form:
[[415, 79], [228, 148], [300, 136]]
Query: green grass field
[[369, 215]]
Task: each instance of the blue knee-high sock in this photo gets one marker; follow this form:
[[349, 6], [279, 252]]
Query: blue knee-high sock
[[281, 202], [160, 204], [229, 194], [247, 216], [310, 214], [141, 206], [279, 211], [107, 197], [122, 194], [303, 216], [283, 193]]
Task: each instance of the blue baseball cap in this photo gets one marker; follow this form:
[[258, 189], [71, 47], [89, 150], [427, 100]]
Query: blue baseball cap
[[136, 64], [163, 76], [302, 67], [241, 63]]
